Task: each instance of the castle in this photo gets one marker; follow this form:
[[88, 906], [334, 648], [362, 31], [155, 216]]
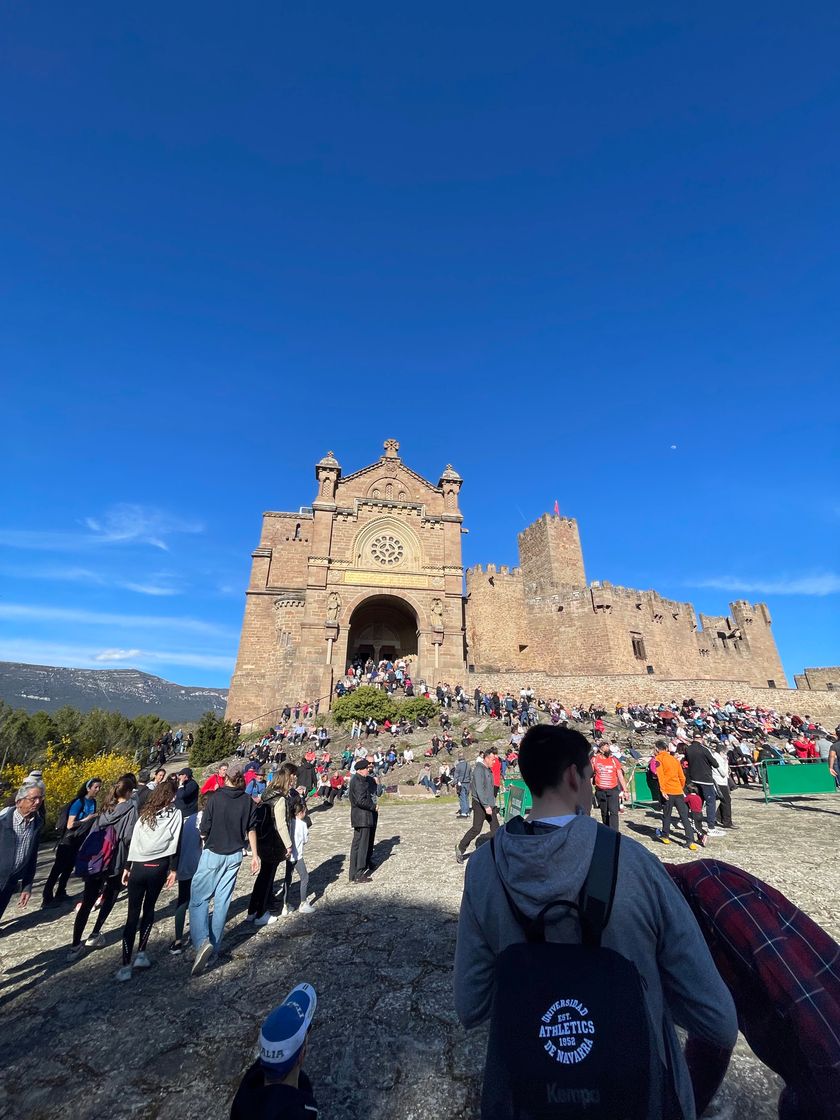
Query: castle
[[373, 569]]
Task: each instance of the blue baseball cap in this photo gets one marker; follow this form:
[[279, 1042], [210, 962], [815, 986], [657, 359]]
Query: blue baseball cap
[[284, 1031]]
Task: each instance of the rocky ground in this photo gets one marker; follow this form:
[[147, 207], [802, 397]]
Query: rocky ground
[[386, 1042]]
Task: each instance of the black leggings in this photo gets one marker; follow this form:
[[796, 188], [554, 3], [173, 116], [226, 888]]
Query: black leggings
[[106, 885], [144, 886], [263, 886], [184, 889], [62, 869]]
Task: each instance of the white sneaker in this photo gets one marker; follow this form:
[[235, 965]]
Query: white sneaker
[[305, 908], [266, 919], [96, 941], [285, 912], [75, 952], [142, 960], [716, 832], [123, 974]]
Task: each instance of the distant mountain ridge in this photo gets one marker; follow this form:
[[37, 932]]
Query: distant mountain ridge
[[46, 688]]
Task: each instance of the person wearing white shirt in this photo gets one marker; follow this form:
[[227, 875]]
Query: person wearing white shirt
[[300, 835]]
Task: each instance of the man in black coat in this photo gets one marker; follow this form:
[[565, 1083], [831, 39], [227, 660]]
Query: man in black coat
[[363, 817], [701, 762]]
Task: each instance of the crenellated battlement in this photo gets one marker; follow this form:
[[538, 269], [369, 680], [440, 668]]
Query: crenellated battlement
[[479, 570]]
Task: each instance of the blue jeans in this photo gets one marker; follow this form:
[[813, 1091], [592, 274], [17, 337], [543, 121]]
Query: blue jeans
[[215, 878], [709, 802], [464, 800]]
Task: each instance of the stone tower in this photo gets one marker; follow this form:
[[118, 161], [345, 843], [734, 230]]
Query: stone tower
[[550, 555]]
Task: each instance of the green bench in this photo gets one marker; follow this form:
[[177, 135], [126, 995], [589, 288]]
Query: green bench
[[795, 779], [516, 799]]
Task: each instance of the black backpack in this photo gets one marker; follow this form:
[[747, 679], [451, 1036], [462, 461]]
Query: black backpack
[[268, 838], [570, 1035]]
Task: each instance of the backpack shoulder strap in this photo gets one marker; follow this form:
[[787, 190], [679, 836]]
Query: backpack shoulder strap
[[598, 891], [595, 901]]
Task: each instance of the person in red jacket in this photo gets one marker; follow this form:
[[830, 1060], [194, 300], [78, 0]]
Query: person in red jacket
[[495, 764], [609, 779], [215, 780]]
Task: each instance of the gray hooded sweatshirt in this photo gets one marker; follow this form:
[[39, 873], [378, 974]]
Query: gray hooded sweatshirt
[[651, 924]]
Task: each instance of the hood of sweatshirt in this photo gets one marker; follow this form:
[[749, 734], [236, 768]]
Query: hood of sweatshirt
[[546, 865], [229, 792]]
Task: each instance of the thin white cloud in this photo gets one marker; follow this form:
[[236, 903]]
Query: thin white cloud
[[121, 524], [32, 652], [157, 584], [27, 612], [126, 522], [820, 584], [157, 590]]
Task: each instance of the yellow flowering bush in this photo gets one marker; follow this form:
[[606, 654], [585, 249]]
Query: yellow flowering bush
[[63, 776]]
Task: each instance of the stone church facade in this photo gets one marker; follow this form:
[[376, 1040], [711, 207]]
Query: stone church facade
[[373, 569]]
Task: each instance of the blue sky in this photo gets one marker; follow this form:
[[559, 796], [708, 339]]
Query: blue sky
[[584, 254]]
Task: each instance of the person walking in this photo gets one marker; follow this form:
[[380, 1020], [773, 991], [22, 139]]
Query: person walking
[[461, 776], [483, 805], [608, 777], [274, 847], [363, 816], [701, 763], [152, 864], [188, 858], [671, 778], [20, 828], [300, 836], [81, 808], [720, 773], [119, 814], [533, 865], [227, 826]]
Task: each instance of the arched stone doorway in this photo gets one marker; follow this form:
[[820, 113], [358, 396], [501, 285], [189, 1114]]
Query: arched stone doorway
[[384, 626]]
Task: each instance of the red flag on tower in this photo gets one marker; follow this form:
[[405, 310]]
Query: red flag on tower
[[556, 508]]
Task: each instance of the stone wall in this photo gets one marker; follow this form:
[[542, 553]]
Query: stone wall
[[828, 678], [542, 616], [628, 689]]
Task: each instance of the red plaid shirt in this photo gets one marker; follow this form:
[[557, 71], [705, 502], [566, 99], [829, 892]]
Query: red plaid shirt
[[782, 969]]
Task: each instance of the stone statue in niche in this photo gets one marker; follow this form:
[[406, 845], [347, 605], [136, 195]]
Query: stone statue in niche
[[333, 606], [437, 614]]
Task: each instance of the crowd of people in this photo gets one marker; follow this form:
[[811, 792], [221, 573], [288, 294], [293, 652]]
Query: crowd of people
[[156, 832]]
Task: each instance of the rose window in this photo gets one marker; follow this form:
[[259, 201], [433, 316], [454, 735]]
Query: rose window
[[387, 549]]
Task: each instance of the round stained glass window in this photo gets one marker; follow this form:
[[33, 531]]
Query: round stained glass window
[[387, 549]]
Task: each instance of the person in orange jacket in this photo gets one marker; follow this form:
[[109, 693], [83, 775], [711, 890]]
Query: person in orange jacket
[[671, 777]]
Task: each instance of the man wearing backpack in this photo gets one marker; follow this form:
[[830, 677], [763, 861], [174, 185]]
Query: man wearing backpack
[[556, 1041]]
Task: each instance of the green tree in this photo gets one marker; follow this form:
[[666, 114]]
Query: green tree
[[67, 722], [215, 738], [365, 702], [415, 707], [43, 729], [142, 733], [17, 742]]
